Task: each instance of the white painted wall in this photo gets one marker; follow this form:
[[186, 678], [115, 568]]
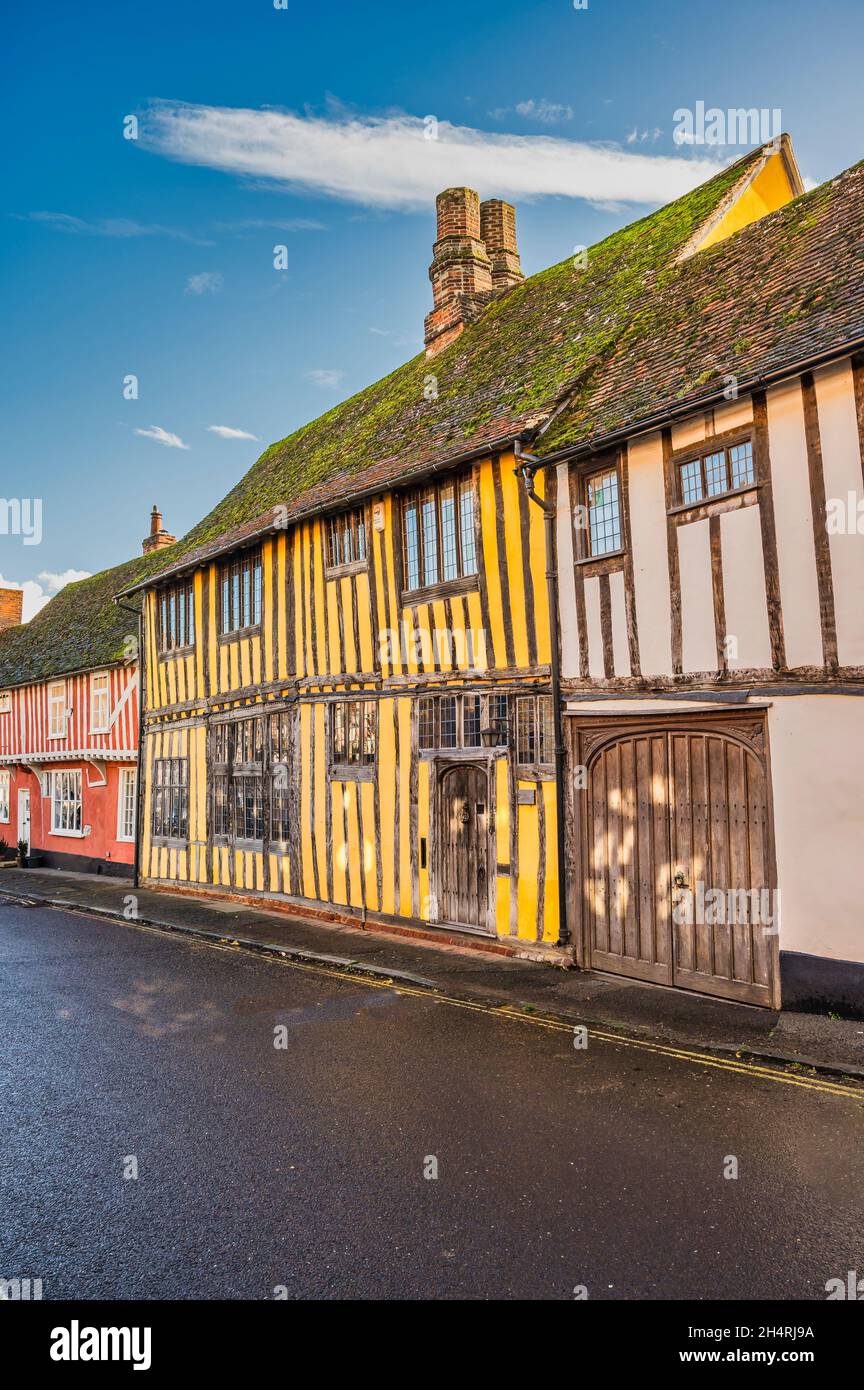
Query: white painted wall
[[595, 628], [743, 571], [841, 463], [698, 648], [744, 596], [620, 648], [796, 557], [566, 582], [650, 562], [817, 768]]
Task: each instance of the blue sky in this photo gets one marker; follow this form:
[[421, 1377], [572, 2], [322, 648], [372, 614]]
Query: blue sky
[[303, 126]]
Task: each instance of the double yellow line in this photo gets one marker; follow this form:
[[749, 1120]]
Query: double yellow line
[[512, 1014]]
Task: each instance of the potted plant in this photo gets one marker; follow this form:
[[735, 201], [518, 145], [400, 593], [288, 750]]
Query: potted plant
[[22, 854], [4, 849]]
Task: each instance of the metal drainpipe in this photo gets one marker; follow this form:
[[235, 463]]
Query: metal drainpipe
[[549, 518], [139, 782]]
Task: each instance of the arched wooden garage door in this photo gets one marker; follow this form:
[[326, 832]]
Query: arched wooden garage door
[[678, 883]]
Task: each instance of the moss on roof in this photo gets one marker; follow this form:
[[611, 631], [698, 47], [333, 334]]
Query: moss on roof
[[79, 629]]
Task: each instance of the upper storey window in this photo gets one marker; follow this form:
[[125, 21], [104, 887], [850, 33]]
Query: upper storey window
[[176, 610], [346, 539], [57, 709], [603, 500], [712, 474], [438, 538], [240, 582]]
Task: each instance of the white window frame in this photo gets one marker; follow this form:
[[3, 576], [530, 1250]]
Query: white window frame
[[100, 699], [128, 778], [5, 701], [66, 778], [5, 795], [57, 696]]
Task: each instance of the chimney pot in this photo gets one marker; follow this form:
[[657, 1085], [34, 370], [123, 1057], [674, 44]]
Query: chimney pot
[[158, 538], [11, 606]]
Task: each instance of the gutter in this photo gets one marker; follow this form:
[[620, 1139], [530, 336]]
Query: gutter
[[139, 766], [527, 468]]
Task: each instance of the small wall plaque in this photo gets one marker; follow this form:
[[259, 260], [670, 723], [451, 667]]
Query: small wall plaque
[[525, 796], [378, 516]]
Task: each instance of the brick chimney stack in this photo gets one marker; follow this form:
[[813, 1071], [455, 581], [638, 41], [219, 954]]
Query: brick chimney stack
[[475, 259], [461, 272], [11, 604], [498, 233], [159, 537]]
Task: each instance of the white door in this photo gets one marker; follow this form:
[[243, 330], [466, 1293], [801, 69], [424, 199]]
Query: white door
[[24, 818]]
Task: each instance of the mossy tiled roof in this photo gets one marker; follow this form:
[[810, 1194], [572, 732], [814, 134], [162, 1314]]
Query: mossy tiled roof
[[80, 629]]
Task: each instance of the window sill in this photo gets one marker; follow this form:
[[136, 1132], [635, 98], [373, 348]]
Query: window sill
[[106, 730], [171, 652], [161, 842], [352, 772], [534, 772], [708, 504], [469, 583], [68, 834], [610, 555], [340, 571], [238, 633]]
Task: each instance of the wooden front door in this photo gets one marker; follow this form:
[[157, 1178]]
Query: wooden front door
[[463, 840], [679, 884]]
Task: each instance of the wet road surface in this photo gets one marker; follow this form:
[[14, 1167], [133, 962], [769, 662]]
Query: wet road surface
[[304, 1167]]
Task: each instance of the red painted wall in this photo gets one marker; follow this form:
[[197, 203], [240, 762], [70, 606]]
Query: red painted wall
[[99, 811]]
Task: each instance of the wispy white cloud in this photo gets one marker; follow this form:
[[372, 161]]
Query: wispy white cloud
[[120, 227], [642, 137], [389, 162], [549, 112], [324, 376], [206, 282], [38, 591], [226, 432], [277, 224], [171, 441]]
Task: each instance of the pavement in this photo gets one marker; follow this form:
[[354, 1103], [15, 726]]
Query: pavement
[[818, 1041], [184, 1120]]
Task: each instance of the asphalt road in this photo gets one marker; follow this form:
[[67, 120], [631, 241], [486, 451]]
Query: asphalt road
[[302, 1168]]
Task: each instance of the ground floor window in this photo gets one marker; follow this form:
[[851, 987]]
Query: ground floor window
[[535, 731], [4, 796], [65, 793], [280, 763], [352, 733], [239, 756], [126, 804], [462, 721], [171, 799]]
